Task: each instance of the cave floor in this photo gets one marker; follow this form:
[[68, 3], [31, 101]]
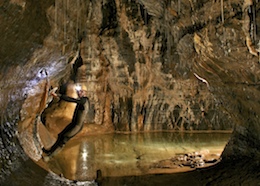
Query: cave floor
[[118, 155], [244, 171], [230, 172]]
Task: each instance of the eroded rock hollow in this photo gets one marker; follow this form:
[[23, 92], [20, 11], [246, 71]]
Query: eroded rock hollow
[[148, 65]]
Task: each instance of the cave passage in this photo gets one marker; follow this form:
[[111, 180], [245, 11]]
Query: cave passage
[[146, 66], [136, 154], [100, 148]]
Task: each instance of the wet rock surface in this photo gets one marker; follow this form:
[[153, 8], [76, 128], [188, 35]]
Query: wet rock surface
[[139, 67], [191, 160]]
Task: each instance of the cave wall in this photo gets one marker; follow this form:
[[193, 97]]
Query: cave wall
[[140, 60], [148, 65]]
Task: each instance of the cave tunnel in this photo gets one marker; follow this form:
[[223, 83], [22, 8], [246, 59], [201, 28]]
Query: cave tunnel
[[137, 92]]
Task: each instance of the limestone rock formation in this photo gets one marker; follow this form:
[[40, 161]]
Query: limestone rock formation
[[147, 66]]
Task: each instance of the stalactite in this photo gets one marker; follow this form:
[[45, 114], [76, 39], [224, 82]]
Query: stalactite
[[222, 11], [56, 19], [65, 21], [67, 10], [254, 21], [64, 4], [248, 27], [77, 27], [145, 17], [179, 7], [192, 5], [87, 22], [89, 56], [80, 20]]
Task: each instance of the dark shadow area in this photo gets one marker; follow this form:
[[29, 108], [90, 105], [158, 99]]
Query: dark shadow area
[[27, 174], [18, 20], [228, 172]]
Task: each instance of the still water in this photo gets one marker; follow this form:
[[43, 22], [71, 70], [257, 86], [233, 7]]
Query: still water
[[131, 154]]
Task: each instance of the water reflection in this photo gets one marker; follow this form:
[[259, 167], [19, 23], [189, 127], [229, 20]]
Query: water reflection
[[130, 154]]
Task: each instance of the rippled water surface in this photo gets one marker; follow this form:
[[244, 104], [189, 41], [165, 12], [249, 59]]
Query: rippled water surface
[[130, 154]]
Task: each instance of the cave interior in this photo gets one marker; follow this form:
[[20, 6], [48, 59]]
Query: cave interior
[[171, 86]]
